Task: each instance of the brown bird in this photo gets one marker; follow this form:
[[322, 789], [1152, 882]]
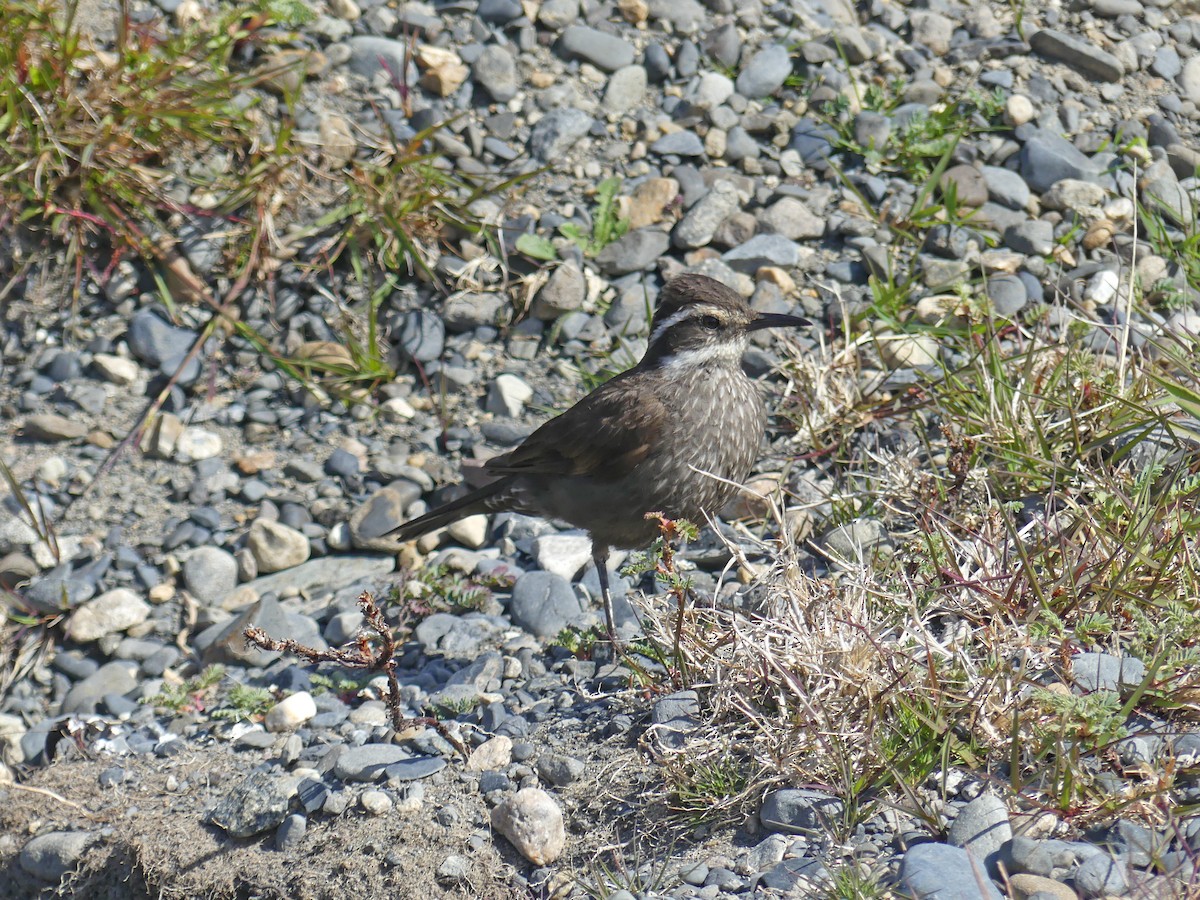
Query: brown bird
[[649, 440]]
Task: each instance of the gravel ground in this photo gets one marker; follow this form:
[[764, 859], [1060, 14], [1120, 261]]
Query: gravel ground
[[249, 503]]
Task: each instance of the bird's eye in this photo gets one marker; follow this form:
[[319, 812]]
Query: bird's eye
[[712, 323]]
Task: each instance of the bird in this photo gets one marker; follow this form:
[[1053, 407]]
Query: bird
[[676, 434]]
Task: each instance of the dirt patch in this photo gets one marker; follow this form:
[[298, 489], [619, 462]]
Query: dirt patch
[[154, 839]]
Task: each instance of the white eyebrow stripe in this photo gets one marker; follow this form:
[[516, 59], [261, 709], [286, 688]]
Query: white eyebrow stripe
[[678, 316]]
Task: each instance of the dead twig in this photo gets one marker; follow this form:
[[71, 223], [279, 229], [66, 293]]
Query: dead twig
[[364, 653]]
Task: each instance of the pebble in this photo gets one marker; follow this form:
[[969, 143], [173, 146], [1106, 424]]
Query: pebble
[[258, 803], [276, 546], [50, 856], [209, 574], [544, 604], [942, 872], [495, 71], [113, 611], [765, 73], [982, 827], [377, 803], [605, 51], [533, 823], [1077, 53], [50, 427], [291, 712], [557, 132]]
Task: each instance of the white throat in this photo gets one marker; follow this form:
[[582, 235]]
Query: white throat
[[719, 352]]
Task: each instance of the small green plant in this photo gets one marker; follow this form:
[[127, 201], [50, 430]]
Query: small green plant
[[710, 791], [245, 703], [660, 559], [450, 709], [607, 226], [342, 685], [444, 589], [193, 695], [579, 642]]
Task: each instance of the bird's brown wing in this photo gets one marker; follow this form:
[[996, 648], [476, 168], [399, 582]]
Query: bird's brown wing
[[603, 435]]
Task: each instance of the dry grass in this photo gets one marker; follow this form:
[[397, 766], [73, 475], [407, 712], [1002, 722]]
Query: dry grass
[[1049, 510]]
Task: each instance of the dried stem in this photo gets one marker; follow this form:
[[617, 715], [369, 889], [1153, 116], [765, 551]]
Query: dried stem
[[362, 654]]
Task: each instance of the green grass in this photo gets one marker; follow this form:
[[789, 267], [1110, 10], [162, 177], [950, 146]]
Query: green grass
[[607, 226], [97, 145]]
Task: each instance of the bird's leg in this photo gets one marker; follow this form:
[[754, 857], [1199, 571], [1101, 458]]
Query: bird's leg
[[600, 558]]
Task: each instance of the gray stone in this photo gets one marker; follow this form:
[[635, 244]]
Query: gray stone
[[932, 30], [1189, 79], [789, 217], [276, 546], [739, 145], [113, 611], [798, 874], [684, 16], [209, 573], [158, 343], [370, 54], [1078, 54], [1105, 672], [1048, 858], [1007, 293], [604, 51], [496, 72], [563, 292], [700, 223], [50, 428], [557, 132], [1166, 63], [1070, 195], [1046, 158], [765, 73], [559, 769], [679, 143], [454, 869], [368, 762], [798, 810], [859, 541], [941, 872], [471, 309], [982, 827], [414, 769], [626, 90], [499, 12], [290, 833], [116, 677], [558, 14], [533, 823], [633, 252], [764, 250], [724, 44], [544, 604], [1034, 237], [258, 803], [225, 642], [422, 335], [1100, 876], [710, 90], [48, 857]]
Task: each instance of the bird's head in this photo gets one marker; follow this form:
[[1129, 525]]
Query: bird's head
[[701, 322]]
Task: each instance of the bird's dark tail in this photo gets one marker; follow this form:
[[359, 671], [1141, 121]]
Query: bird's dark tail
[[475, 502]]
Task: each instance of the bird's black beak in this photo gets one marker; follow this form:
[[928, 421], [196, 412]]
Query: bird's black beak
[[776, 320]]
